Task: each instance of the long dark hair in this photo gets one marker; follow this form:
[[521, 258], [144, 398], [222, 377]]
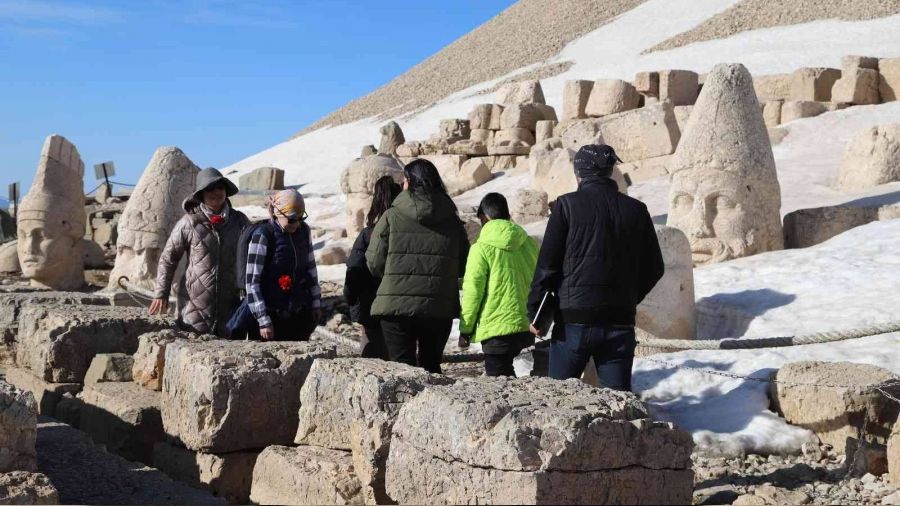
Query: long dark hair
[[386, 190], [425, 180]]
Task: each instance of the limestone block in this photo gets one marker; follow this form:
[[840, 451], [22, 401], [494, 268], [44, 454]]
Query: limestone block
[[152, 211], [227, 475], [575, 99], [463, 444], [872, 158], [452, 130], [511, 135], [813, 84], [647, 132], [647, 83], [468, 174], [409, 150], [836, 415], [807, 227], [23, 487], [668, 310], [522, 92], [358, 184], [850, 62], [772, 113], [547, 145], [225, 396], [836, 106], [857, 86], [480, 117], [391, 138], [11, 305], [482, 135], [51, 219], [522, 116], [149, 360], [351, 404], [772, 87], [509, 148], [649, 168], [893, 455], [123, 417], [543, 130], [105, 233], [46, 395], [554, 173], [725, 157], [469, 147], [680, 87], [797, 109], [529, 206], [262, 179], [577, 133], [18, 429], [305, 475], [610, 96], [57, 343], [109, 367], [889, 81], [496, 115], [9, 257]]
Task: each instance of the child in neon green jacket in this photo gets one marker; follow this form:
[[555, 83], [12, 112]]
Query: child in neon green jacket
[[498, 276]]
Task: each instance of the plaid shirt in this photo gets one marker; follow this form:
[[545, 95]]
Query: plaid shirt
[[256, 261]]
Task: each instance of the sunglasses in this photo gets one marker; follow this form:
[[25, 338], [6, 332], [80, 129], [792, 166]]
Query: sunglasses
[[292, 221]]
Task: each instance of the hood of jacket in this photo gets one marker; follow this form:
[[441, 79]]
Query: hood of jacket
[[425, 209], [503, 234]]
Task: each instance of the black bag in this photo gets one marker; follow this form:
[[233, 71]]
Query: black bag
[[543, 319]]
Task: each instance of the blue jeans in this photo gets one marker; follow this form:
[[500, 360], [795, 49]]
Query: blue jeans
[[611, 347]]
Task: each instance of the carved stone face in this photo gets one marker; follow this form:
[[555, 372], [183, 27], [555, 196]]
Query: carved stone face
[[718, 211], [46, 249]]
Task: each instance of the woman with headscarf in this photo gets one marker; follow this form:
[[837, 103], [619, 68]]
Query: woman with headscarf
[[359, 284], [209, 234], [282, 282], [418, 249]]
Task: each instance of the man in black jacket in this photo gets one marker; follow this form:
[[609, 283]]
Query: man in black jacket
[[600, 256]]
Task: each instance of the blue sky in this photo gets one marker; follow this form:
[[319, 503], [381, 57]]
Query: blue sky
[[221, 79]]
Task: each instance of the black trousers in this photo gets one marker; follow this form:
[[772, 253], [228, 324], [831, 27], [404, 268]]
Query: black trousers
[[416, 341], [295, 327], [372, 343], [500, 351]]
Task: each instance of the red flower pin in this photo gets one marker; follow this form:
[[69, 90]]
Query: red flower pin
[[286, 283], [216, 219]]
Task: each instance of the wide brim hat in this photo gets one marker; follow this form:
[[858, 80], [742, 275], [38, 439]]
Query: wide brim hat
[[210, 177]]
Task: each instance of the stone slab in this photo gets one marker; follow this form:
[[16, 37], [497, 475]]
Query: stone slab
[[57, 342], [305, 475], [226, 475], [46, 395], [18, 429], [23, 487], [110, 367], [226, 396], [123, 417]]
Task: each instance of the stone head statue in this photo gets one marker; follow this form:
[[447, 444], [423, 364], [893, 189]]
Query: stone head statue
[[150, 215], [51, 219], [391, 137], [725, 194]]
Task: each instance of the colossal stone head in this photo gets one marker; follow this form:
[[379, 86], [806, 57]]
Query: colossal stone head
[[725, 194], [51, 219], [391, 137], [150, 215]]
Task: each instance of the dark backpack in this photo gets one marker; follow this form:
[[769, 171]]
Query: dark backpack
[[243, 249]]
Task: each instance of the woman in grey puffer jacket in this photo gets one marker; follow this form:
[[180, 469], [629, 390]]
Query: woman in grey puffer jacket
[[209, 233]]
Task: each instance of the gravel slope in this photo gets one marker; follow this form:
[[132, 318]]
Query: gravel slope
[[755, 14], [528, 32]]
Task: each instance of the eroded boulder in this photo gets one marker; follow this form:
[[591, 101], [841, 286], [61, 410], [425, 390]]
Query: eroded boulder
[[643, 133], [123, 417], [668, 310], [522, 92], [534, 441], [110, 367], [872, 158], [18, 429], [305, 475], [23, 487], [611, 96], [575, 99], [225, 396]]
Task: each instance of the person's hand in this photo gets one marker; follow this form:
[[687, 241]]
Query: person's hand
[[317, 316], [464, 340], [536, 331], [159, 306], [267, 333]]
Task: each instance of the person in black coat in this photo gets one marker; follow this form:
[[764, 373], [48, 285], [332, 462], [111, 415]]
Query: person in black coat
[[360, 286], [601, 257]]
